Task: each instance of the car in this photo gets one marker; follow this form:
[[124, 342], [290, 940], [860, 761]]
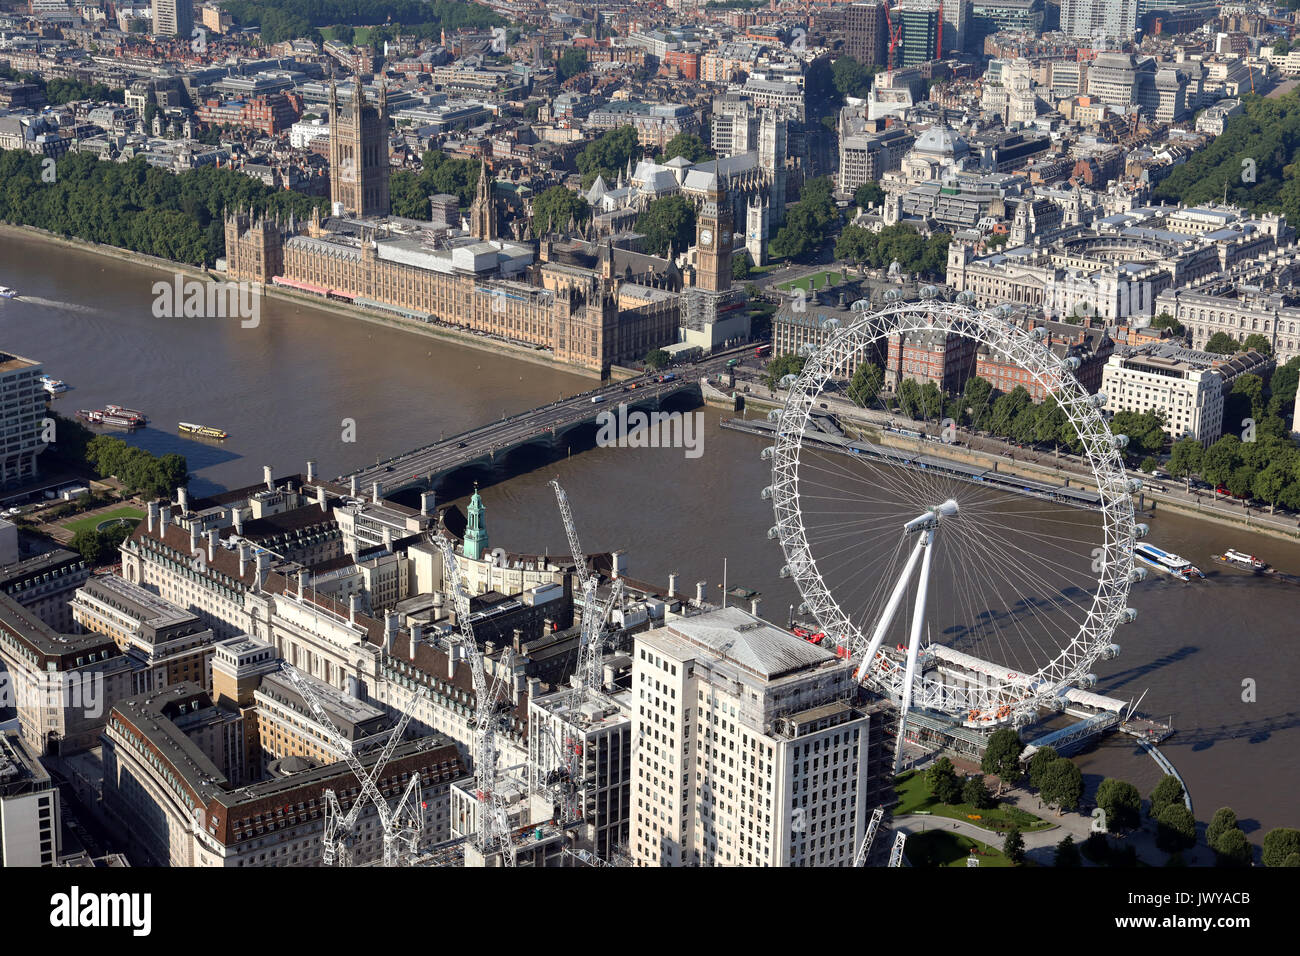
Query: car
[[460, 444], [13, 511], [597, 398]]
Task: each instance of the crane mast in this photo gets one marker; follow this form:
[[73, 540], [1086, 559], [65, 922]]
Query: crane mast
[[865, 850], [400, 832], [494, 821]]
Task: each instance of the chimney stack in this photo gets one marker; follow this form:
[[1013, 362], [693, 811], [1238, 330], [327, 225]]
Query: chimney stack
[[153, 516], [213, 536], [320, 498], [237, 519], [427, 499], [311, 470], [266, 477], [672, 584], [263, 562], [453, 656], [534, 687], [755, 604], [377, 491], [194, 537], [388, 537], [700, 587], [182, 500], [390, 630], [354, 605], [518, 641], [243, 558], [164, 518], [302, 583], [353, 487], [416, 629]]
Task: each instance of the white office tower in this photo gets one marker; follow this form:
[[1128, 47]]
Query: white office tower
[[1112, 19], [747, 749]]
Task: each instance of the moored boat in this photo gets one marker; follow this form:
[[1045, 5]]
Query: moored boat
[[125, 412], [8, 293], [53, 385], [1240, 559], [102, 416]]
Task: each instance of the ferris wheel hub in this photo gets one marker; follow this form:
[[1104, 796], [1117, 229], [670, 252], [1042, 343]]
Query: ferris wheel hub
[[930, 518]]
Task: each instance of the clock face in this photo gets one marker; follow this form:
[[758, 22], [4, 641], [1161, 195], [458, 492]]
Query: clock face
[[706, 237]]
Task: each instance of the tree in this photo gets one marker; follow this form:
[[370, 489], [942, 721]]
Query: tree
[[909, 397], [1269, 484], [1168, 791], [1043, 758], [941, 779], [1145, 430], [572, 62], [977, 397], [974, 792], [688, 146], [668, 222], [1166, 321], [1121, 803], [740, 265], [865, 386], [1220, 459], [553, 209], [1149, 464], [1062, 785], [1224, 819], [783, 365], [851, 78], [1185, 459], [1067, 854], [1013, 846], [856, 244], [657, 358], [88, 544], [869, 194], [1259, 343], [1175, 828], [1002, 757], [1280, 844], [1221, 343], [1232, 849], [608, 154]]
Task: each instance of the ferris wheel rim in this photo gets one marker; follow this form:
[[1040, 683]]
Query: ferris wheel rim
[[1101, 453]]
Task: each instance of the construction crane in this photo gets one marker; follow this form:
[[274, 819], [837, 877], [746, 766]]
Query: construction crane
[[401, 824], [865, 850], [895, 34], [595, 614], [896, 854], [494, 822]]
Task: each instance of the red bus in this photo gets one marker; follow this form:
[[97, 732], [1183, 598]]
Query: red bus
[[762, 350]]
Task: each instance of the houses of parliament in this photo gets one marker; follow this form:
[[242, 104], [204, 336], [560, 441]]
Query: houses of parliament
[[591, 304]]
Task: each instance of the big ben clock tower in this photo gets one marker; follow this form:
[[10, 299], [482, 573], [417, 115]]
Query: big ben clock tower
[[713, 232]]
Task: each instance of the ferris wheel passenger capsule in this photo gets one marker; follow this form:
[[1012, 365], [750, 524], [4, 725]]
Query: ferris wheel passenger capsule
[[1110, 653], [785, 571], [1119, 442], [767, 453], [1088, 680], [1098, 399], [1128, 615], [893, 295], [1136, 575], [831, 324], [862, 305], [966, 297], [787, 380], [773, 532], [1141, 530], [1134, 485], [1072, 363], [929, 292], [803, 609], [775, 414], [807, 349], [1038, 334], [766, 493]]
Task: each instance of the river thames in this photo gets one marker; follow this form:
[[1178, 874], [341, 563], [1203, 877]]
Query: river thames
[[287, 390]]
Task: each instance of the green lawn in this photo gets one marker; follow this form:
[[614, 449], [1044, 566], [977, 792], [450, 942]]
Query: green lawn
[[802, 282], [361, 38], [945, 848], [914, 796], [90, 523]]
